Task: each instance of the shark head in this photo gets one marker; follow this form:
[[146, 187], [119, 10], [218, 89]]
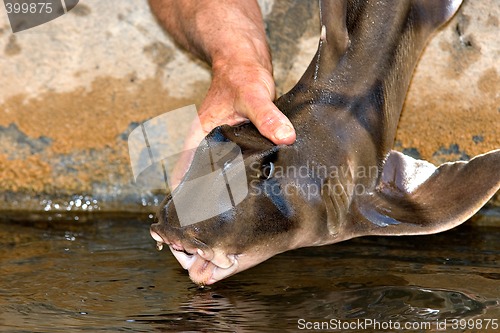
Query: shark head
[[241, 202]]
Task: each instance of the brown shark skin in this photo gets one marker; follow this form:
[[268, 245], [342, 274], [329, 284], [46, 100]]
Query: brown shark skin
[[345, 110]]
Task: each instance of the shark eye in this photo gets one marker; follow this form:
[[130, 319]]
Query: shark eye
[[267, 170]]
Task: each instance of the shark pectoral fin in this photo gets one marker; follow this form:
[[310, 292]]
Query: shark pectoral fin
[[414, 197]]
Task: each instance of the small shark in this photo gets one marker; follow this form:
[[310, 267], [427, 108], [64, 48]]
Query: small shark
[[345, 110]]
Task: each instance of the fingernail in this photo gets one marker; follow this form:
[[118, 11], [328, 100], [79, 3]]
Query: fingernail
[[283, 132]]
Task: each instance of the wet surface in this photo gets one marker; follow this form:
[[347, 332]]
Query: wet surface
[[108, 276]]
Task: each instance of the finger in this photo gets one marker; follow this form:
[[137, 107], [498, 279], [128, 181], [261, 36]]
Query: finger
[[268, 119], [180, 169], [207, 120], [191, 142]]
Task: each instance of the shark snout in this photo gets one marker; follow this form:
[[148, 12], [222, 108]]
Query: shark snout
[[205, 265]]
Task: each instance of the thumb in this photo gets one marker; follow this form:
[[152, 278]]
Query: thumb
[[273, 124], [269, 120]]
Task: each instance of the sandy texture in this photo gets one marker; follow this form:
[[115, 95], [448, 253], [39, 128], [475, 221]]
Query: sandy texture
[[72, 90]]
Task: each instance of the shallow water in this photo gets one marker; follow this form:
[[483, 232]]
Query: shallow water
[[107, 276]]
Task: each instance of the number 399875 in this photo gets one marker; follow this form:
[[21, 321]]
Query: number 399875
[[29, 8]]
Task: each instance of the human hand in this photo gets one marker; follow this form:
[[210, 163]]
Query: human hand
[[238, 93]]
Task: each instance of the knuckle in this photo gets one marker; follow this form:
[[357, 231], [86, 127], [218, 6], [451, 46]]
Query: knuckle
[[266, 119]]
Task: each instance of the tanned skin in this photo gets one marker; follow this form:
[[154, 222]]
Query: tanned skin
[[230, 36]]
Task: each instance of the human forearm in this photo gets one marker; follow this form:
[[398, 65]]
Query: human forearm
[[220, 32], [230, 35]]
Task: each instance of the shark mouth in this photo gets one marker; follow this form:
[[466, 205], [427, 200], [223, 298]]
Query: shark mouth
[[206, 266]]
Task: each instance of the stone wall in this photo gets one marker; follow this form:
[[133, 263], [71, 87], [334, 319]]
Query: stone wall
[[73, 89]]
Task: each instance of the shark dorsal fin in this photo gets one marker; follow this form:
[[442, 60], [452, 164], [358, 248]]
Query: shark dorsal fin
[[334, 38], [333, 42]]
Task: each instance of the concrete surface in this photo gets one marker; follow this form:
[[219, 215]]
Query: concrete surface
[[74, 88]]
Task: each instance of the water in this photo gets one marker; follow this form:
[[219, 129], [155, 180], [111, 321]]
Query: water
[[107, 276]]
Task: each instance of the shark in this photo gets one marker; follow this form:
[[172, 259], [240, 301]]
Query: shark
[[340, 179]]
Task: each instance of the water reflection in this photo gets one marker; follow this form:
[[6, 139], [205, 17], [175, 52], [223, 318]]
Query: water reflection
[[210, 311], [107, 276]]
